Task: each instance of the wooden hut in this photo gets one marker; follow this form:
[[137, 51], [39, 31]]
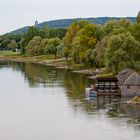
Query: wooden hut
[[129, 82]]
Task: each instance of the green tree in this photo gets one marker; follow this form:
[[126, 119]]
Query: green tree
[[75, 54], [12, 45], [62, 50], [109, 26], [22, 45], [51, 46], [135, 30], [32, 32], [100, 51], [35, 47], [4, 43], [116, 26], [123, 51], [53, 33], [44, 42], [138, 17], [90, 58], [66, 52]]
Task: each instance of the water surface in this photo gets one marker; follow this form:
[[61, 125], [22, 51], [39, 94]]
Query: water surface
[[42, 103]]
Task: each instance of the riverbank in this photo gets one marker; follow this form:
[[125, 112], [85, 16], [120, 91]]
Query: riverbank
[[59, 63]]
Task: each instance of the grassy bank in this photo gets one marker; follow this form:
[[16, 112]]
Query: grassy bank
[[9, 53], [49, 60]]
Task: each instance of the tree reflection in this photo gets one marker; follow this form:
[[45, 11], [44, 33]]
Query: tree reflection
[[74, 84]]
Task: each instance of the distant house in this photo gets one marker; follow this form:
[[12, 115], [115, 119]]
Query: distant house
[[129, 82]]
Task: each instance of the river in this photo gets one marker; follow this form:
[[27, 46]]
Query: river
[[43, 103]]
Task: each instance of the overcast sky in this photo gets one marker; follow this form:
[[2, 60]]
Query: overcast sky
[[19, 13]]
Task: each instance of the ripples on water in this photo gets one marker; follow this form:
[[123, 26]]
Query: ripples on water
[[43, 103]]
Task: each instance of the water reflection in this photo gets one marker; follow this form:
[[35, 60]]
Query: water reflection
[[130, 110], [38, 75], [101, 112]]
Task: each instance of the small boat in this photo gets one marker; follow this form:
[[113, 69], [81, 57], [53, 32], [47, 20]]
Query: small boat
[[91, 92]]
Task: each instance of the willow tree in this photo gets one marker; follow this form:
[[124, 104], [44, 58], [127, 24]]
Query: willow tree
[[35, 47], [51, 46], [123, 51], [12, 45]]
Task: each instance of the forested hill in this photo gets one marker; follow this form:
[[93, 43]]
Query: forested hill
[[64, 23]]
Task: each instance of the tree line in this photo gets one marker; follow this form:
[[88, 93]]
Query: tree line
[[114, 45]]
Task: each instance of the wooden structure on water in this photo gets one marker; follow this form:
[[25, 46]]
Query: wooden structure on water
[[129, 82], [126, 83], [107, 86]]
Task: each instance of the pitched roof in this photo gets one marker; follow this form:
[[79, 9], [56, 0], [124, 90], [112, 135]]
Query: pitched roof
[[123, 75]]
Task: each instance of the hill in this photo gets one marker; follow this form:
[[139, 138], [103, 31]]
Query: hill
[[64, 23]]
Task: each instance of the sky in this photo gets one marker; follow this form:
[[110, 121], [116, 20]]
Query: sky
[[15, 14]]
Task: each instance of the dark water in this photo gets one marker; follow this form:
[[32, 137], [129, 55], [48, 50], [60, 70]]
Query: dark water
[[43, 103]]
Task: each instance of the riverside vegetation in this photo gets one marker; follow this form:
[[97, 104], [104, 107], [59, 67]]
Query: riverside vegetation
[[113, 46]]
